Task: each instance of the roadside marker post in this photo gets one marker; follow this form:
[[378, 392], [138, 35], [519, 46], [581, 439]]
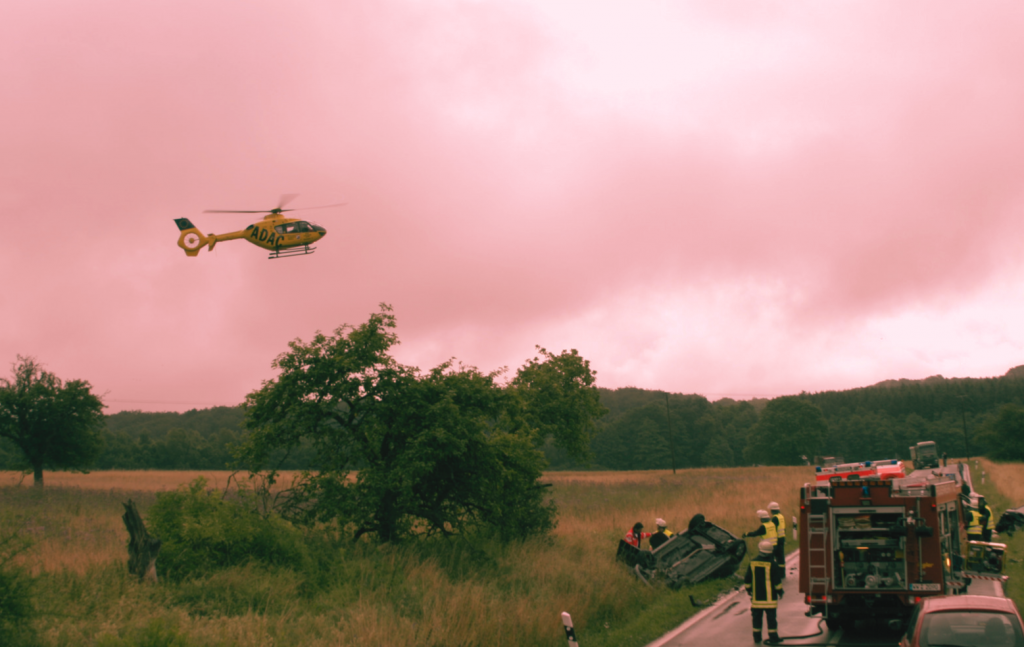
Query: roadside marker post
[[570, 633]]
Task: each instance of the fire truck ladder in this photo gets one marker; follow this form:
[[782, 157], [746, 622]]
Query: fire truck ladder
[[818, 549]]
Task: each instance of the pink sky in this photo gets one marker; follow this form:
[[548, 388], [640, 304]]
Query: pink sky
[[728, 198]]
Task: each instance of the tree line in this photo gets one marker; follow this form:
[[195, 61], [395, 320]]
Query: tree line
[[647, 429]]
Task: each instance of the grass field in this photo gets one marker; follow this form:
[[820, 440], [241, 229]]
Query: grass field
[[438, 593], [1003, 488]]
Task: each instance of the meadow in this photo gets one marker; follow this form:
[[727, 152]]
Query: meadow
[[448, 592], [1003, 488]]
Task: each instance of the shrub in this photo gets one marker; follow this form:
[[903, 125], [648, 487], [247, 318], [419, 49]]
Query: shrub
[[203, 532], [16, 605]]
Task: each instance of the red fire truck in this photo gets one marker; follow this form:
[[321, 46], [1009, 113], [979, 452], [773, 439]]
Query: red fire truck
[[872, 547]]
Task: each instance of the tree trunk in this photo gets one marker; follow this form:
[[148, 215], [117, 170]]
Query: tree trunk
[[37, 476], [142, 548]]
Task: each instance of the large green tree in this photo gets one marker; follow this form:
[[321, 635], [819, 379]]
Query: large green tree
[[789, 429], [438, 452], [1005, 433], [54, 424]]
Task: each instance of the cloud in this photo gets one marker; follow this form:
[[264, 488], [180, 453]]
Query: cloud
[[660, 186]]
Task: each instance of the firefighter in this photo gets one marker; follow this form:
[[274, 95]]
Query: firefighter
[[974, 527], [636, 535], [663, 534], [763, 583], [988, 520], [767, 528], [780, 530]]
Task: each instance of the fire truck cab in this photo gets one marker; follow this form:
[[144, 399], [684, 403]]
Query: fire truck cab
[[874, 547], [924, 455]]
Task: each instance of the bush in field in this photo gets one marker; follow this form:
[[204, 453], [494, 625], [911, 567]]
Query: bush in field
[[202, 531], [442, 452], [16, 605]]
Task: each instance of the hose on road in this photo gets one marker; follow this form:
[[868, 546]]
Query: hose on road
[[819, 632]]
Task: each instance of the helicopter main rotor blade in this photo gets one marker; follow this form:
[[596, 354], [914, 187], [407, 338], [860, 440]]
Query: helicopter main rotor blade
[[285, 199], [224, 211], [323, 206]]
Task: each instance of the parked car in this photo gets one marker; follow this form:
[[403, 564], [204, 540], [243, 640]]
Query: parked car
[[964, 621]]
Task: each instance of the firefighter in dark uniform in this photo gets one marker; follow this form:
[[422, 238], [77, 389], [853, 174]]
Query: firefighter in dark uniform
[[988, 520], [663, 534], [780, 530], [767, 529], [763, 583]]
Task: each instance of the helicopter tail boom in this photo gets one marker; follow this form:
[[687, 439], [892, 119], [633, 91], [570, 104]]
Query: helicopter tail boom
[[191, 239]]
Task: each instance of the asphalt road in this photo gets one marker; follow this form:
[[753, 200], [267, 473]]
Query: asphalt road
[[727, 623]]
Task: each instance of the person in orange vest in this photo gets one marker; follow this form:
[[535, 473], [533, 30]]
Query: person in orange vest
[[763, 583], [636, 535]]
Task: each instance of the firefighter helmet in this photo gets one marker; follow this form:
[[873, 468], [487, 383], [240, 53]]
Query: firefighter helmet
[[660, 523], [762, 514], [765, 546], [773, 506]]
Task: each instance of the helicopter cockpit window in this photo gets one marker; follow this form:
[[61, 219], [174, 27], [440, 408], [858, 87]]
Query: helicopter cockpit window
[[286, 228], [302, 225]]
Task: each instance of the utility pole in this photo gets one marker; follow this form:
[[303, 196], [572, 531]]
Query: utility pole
[[671, 436]]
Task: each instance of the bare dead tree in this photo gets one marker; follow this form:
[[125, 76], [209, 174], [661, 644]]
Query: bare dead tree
[[142, 548]]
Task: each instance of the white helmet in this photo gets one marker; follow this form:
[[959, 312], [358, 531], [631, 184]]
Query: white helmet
[[762, 514], [773, 506], [660, 523], [765, 546]]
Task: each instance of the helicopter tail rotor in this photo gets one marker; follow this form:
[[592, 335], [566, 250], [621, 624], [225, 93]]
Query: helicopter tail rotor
[[191, 239]]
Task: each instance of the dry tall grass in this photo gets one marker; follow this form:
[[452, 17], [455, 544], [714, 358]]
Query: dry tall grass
[[1003, 487], [449, 594]]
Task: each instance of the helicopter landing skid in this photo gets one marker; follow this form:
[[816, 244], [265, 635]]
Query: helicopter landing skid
[[292, 251]]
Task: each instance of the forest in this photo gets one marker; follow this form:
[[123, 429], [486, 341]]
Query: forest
[[646, 429]]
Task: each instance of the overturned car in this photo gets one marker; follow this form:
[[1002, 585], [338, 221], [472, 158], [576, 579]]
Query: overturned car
[[704, 551], [1010, 521]]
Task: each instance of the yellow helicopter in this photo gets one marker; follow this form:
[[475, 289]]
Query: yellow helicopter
[[282, 235]]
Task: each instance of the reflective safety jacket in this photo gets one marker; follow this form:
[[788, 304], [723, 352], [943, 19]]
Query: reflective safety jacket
[[991, 518], [634, 540], [780, 524], [763, 582], [767, 530], [659, 538], [974, 528]]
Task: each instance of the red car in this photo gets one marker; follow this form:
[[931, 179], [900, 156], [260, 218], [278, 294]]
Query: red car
[[964, 621]]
